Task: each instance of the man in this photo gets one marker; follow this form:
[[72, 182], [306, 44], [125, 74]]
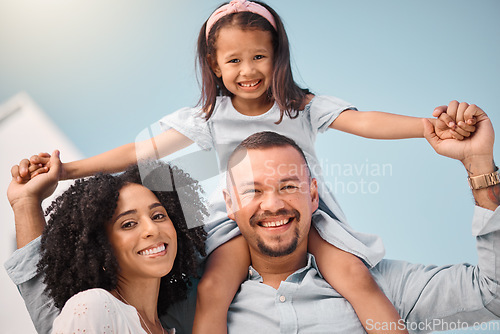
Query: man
[[272, 198], [273, 205]]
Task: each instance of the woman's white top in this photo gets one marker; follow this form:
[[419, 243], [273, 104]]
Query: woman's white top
[[98, 311]]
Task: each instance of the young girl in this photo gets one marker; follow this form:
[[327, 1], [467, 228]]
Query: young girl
[[247, 87]]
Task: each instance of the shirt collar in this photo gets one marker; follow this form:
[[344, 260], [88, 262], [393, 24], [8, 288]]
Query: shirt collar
[[296, 277]]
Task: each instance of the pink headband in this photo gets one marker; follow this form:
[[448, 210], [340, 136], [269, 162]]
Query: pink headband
[[236, 6]]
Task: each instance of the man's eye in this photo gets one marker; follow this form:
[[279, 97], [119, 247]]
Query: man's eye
[[289, 187], [250, 191]]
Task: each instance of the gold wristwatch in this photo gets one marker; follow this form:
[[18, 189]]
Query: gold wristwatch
[[484, 180]]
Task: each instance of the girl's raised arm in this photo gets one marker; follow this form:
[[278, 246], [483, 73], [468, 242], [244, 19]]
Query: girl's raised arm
[[112, 161]]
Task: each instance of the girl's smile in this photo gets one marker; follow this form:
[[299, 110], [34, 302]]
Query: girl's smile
[[244, 61], [250, 84]]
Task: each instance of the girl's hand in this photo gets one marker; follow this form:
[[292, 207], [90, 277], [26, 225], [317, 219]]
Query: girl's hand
[[477, 147], [35, 190], [457, 120], [443, 130], [27, 169]]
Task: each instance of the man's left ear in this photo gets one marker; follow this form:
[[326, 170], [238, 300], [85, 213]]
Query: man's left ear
[[314, 194], [229, 204]]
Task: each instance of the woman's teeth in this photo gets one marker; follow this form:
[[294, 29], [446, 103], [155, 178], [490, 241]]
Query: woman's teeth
[[152, 251]]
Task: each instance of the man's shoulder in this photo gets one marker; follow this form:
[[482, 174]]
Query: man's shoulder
[[387, 267]]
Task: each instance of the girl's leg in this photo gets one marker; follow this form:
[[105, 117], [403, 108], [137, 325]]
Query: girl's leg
[[226, 268], [348, 275]]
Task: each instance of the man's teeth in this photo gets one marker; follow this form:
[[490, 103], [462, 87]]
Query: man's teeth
[[250, 84], [153, 250], [275, 223]]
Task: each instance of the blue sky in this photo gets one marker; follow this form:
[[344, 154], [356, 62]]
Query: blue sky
[[105, 70]]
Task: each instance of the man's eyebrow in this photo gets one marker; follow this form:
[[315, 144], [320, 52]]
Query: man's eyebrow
[[255, 183], [248, 183], [290, 178]]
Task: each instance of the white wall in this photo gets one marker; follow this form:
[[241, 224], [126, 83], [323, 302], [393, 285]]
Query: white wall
[[24, 130]]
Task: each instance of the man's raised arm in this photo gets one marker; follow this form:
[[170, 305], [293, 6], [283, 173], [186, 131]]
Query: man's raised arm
[[433, 297], [475, 153]]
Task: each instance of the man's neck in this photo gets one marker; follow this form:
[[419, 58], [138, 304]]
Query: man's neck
[[274, 270]]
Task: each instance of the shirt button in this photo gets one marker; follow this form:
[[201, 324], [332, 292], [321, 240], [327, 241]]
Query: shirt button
[[282, 299]]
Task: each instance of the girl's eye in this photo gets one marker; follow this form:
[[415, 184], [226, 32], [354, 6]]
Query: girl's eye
[[234, 61], [258, 57]]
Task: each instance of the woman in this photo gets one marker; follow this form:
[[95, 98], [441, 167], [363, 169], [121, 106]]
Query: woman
[[109, 250]]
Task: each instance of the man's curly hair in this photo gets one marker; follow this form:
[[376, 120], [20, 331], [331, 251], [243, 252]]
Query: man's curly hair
[[76, 254]]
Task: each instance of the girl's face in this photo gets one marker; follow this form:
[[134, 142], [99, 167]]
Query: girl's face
[[244, 61], [142, 235]]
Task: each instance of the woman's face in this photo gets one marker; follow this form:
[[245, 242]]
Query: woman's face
[[142, 235]]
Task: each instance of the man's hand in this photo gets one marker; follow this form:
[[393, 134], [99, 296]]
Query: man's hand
[[475, 152], [477, 146], [36, 189]]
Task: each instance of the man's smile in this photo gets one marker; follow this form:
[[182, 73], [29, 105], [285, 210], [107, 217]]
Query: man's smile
[[276, 219], [275, 223]]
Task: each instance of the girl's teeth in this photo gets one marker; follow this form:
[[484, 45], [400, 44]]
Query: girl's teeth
[[250, 85]]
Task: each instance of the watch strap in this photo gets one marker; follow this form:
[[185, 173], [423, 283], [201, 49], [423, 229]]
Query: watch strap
[[484, 180]]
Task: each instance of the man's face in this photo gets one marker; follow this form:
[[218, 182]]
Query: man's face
[[271, 197]]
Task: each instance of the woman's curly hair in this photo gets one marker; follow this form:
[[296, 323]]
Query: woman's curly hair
[[76, 254]]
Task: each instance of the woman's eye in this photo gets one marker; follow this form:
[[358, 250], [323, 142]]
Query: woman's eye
[[159, 216], [128, 224]]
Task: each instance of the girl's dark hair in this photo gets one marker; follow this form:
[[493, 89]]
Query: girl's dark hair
[[76, 254], [287, 94]]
